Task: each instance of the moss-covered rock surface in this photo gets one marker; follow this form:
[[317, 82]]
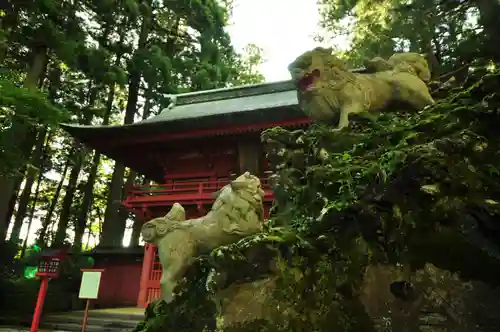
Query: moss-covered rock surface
[[392, 225]]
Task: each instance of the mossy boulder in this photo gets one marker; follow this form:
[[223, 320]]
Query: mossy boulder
[[389, 226]]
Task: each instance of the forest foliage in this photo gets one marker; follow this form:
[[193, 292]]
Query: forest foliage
[[98, 63], [454, 35]]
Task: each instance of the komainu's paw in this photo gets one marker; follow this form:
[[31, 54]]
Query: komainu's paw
[[158, 307], [338, 129]]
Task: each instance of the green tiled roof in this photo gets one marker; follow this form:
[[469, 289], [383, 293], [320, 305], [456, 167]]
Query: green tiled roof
[[220, 102], [229, 100], [212, 110]]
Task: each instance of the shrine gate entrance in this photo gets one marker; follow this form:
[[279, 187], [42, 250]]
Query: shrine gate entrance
[[150, 277]]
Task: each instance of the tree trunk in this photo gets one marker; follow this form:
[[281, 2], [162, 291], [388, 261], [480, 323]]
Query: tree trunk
[[24, 199], [123, 213], [111, 228], [50, 212], [136, 232], [488, 18], [88, 194], [136, 227], [8, 22], [80, 155], [426, 36], [87, 244], [18, 132], [88, 191], [63, 223], [32, 212], [170, 48], [13, 199]]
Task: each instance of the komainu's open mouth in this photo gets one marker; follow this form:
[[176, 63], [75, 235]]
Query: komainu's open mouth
[[308, 80]]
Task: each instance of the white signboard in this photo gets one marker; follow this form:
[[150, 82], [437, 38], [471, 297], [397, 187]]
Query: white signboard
[[89, 288]]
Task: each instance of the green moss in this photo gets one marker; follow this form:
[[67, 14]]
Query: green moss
[[192, 310], [409, 189], [399, 181]]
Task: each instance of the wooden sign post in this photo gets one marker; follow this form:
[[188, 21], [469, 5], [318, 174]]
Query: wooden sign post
[[89, 290]]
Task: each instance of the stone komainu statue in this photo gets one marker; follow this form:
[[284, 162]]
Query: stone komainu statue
[[237, 212], [326, 88], [417, 62]]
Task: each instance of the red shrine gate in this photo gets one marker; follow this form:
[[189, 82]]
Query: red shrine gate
[[192, 150], [154, 201]]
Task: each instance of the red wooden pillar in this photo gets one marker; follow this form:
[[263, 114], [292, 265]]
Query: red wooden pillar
[[249, 157], [147, 264]]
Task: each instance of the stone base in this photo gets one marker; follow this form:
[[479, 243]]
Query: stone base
[[246, 303]]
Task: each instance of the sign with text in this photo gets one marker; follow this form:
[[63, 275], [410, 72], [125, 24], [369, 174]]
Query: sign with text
[[89, 288]]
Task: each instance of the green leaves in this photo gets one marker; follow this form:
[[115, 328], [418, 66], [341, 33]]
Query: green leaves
[[21, 106], [245, 66], [27, 105], [447, 31]]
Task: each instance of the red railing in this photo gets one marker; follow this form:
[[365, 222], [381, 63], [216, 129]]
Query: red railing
[[186, 192]]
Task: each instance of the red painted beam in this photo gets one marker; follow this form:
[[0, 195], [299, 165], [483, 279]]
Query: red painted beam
[[208, 132], [135, 202]]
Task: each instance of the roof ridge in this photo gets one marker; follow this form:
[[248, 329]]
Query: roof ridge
[[239, 91], [233, 92]]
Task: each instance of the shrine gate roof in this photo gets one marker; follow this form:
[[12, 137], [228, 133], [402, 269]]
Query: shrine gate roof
[[195, 114], [202, 110], [229, 100]]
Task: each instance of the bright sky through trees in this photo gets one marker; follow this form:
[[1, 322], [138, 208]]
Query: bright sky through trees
[[282, 28]]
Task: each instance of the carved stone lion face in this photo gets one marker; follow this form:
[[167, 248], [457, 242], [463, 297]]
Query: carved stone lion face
[[148, 231], [319, 76], [246, 186], [249, 183], [313, 70], [159, 227]]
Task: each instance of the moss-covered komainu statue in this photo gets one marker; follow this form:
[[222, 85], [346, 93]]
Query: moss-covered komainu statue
[[326, 88], [236, 213], [416, 61]]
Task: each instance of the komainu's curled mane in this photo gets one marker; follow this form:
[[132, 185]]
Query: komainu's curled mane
[[417, 63], [159, 227], [237, 212], [326, 88]]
